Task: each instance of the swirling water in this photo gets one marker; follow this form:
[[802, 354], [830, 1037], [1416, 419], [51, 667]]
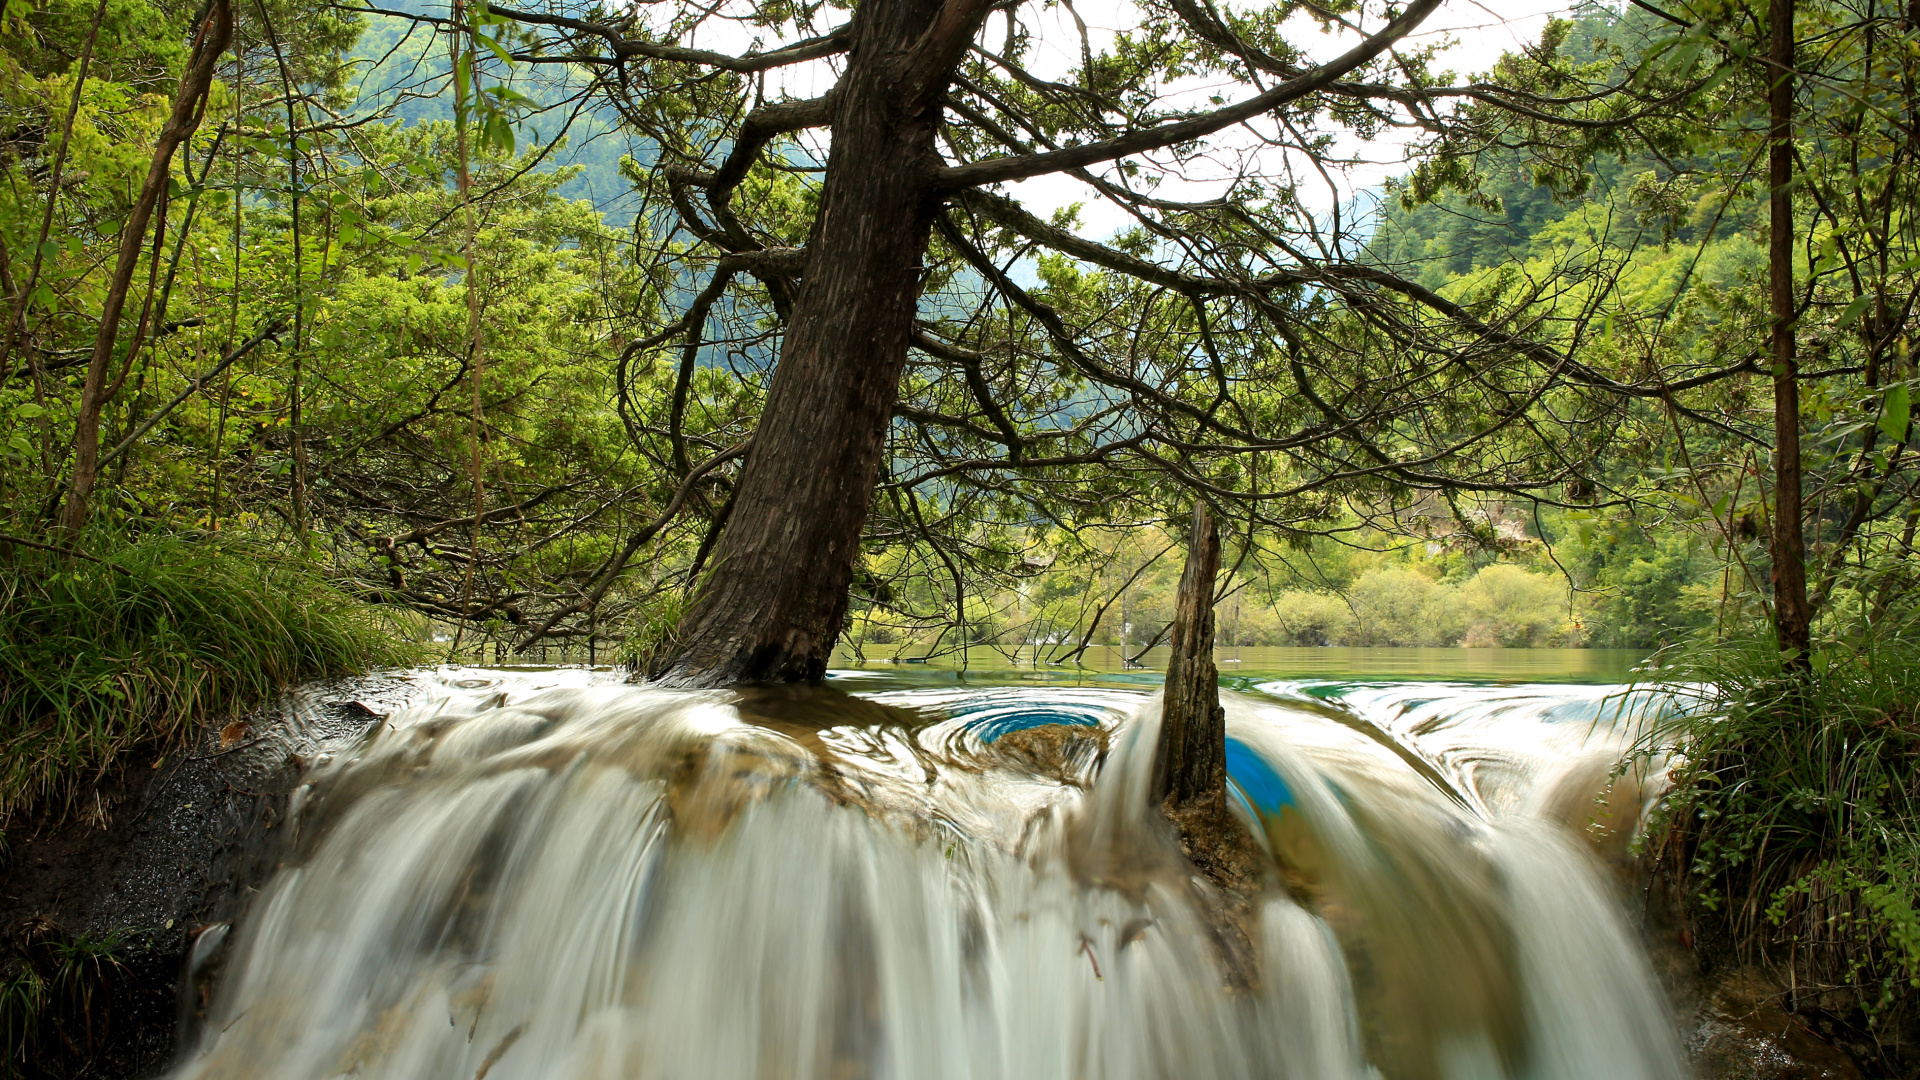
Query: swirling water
[[531, 876]]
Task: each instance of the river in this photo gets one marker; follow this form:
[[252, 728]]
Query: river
[[925, 874]]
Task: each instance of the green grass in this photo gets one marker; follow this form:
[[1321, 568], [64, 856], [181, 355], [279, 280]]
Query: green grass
[[1795, 818], [145, 639], [54, 994]]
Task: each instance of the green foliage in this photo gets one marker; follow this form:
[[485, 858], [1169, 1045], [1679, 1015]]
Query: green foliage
[[1795, 810], [55, 995], [132, 645]]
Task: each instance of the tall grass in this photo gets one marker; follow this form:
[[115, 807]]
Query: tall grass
[[131, 646], [1795, 818]]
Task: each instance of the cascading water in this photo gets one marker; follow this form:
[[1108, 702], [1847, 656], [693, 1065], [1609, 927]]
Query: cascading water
[[527, 881]]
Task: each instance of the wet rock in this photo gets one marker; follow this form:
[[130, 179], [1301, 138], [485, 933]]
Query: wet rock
[[1069, 753], [167, 853], [1741, 1032]]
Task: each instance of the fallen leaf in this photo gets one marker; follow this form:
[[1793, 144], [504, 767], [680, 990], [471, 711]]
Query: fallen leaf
[[234, 732]]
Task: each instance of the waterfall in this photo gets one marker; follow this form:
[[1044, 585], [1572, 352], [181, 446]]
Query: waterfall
[[520, 879]]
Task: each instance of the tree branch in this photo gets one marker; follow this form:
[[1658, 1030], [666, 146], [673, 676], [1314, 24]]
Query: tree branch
[[625, 47], [1001, 169]]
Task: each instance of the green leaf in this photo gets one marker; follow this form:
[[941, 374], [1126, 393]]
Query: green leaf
[[27, 410], [1895, 413], [494, 47], [1688, 55], [1720, 75], [498, 133], [1852, 313]]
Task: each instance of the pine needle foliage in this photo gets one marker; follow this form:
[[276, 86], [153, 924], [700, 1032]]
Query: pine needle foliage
[[138, 641]]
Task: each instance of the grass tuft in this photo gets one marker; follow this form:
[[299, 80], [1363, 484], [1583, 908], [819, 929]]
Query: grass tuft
[[55, 994], [146, 638]]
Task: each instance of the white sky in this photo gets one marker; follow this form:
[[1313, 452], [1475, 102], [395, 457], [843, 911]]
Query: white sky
[[1476, 33]]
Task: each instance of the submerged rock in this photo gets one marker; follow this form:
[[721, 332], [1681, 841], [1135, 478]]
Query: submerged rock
[[1068, 753], [1740, 1032]]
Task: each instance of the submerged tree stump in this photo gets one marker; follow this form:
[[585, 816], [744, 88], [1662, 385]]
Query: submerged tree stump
[[1190, 760], [1190, 765]]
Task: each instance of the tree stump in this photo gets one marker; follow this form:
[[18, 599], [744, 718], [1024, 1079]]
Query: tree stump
[[1190, 765]]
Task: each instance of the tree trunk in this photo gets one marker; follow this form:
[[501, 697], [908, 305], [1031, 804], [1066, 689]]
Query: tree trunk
[[1791, 615], [214, 34], [772, 606], [1190, 764]]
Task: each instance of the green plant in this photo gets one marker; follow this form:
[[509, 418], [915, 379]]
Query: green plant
[[654, 634], [1795, 814], [55, 984], [133, 643]]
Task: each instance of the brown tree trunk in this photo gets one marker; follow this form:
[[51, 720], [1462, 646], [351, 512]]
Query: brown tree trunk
[[210, 42], [1791, 614], [1190, 764], [772, 605]]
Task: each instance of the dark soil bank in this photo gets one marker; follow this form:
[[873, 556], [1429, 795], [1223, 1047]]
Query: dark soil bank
[[116, 930]]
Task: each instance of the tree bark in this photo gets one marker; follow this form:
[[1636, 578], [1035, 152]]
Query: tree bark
[[214, 34], [1190, 762], [773, 604], [1791, 614]]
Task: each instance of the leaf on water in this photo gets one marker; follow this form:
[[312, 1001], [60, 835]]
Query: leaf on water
[[234, 732]]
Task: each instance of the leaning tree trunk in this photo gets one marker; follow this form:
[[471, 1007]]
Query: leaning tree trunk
[[214, 34], [771, 607]]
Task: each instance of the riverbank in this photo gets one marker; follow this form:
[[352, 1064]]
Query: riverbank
[[1791, 836], [101, 916]]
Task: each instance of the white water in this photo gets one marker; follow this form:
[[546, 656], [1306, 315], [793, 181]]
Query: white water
[[604, 881]]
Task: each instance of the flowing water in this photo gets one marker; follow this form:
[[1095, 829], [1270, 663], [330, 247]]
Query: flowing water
[[547, 875]]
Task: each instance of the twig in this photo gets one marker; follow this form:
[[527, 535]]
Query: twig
[[193, 386]]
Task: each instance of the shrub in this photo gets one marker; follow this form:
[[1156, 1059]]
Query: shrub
[[1402, 607], [1508, 606], [1299, 617], [1794, 820]]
